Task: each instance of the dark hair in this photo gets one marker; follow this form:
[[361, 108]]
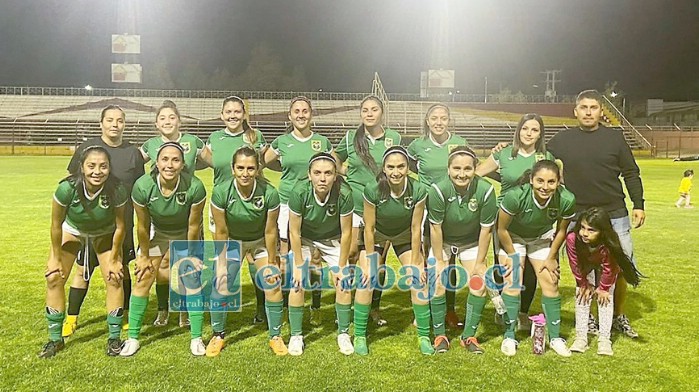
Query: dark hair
[[326, 156], [293, 101], [381, 178], [462, 150], [112, 107], [154, 168], [249, 132], [598, 219], [541, 165], [540, 144], [688, 172], [77, 179], [167, 104], [425, 127], [247, 151], [361, 146], [589, 94]]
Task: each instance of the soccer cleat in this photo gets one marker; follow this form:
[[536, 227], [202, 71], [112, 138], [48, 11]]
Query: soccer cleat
[[425, 345], [579, 345], [196, 346], [559, 346], [498, 318], [604, 347], [316, 317], [277, 345], [509, 347], [592, 328], [260, 316], [69, 326], [51, 348], [375, 315], [215, 346], [296, 345], [360, 347], [441, 344], [621, 324], [114, 346], [452, 320], [125, 325], [184, 320], [162, 318], [130, 347], [471, 344], [345, 344], [523, 322]]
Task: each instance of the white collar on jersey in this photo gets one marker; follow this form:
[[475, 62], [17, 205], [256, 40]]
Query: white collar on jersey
[[536, 202], [243, 198], [318, 201], [168, 140], [405, 187], [301, 139], [435, 142], [160, 188], [374, 139], [87, 196], [229, 133]]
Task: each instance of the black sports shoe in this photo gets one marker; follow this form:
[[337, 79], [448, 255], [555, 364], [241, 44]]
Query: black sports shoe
[[621, 324], [114, 347], [592, 328], [260, 318], [51, 348]]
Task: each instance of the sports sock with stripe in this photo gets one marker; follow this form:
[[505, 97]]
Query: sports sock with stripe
[[510, 318], [552, 311], [138, 309], [361, 318], [438, 306], [274, 317], [474, 309]]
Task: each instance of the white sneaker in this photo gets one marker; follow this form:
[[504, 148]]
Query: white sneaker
[[130, 347], [509, 347], [162, 318], [184, 320], [345, 343], [604, 347], [579, 345], [559, 346], [296, 345], [196, 346]]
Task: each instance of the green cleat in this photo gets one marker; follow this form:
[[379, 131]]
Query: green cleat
[[425, 345], [360, 347]]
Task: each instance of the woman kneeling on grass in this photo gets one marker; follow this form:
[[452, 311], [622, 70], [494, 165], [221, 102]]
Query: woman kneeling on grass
[[169, 205], [526, 229], [321, 219], [461, 210], [593, 247], [393, 210], [87, 212], [246, 209]]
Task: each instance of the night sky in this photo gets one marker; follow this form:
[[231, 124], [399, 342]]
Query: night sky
[[651, 47]]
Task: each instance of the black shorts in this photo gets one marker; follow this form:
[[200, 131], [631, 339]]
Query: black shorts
[[127, 248], [399, 249]]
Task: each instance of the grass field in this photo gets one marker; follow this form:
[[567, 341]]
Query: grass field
[[662, 310]]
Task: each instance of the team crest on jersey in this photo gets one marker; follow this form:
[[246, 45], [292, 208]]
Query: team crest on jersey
[[316, 145], [408, 202], [186, 147], [539, 157], [552, 213], [450, 147], [181, 198], [388, 142], [332, 210], [258, 202], [104, 201], [473, 204]]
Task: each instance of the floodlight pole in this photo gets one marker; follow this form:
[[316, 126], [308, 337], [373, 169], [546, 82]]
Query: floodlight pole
[[485, 98]]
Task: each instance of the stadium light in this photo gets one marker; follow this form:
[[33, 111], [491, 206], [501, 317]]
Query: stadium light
[[88, 87], [613, 94]]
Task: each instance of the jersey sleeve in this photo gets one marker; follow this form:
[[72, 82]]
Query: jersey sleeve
[[510, 202], [490, 208], [346, 202], [296, 200], [272, 198], [342, 148], [260, 139], [138, 194], [121, 196], [199, 144], [371, 194], [567, 204], [413, 150], [64, 193], [219, 196], [197, 191], [436, 205], [419, 192], [275, 145], [497, 156]]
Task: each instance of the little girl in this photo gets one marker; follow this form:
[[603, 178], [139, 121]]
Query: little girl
[[593, 249], [685, 187]]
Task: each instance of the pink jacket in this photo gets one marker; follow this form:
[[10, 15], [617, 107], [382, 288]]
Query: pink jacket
[[599, 258]]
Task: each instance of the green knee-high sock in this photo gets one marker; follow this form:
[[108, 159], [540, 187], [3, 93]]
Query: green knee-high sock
[[376, 295], [218, 322], [162, 293], [114, 319], [451, 294], [474, 308], [361, 318], [274, 317], [512, 305], [55, 320], [259, 293], [422, 318], [296, 320], [315, 294], [344, 316], [552, 311], [438, 305], [136, 312], [196, 315]]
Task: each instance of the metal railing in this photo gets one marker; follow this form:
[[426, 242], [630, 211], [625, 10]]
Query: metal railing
[[625, 123]]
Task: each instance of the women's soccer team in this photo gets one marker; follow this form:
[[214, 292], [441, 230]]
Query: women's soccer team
[[345, 205]]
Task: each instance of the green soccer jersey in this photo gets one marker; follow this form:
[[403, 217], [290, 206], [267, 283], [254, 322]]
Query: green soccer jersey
[[320, 219], [511, 169], [359, 174], [394, 215], [529, 218], [191, 144], [432, 157], [462, 217], [97, 215], [169, 215], [294, 154], [223, 145], [246, 218]]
